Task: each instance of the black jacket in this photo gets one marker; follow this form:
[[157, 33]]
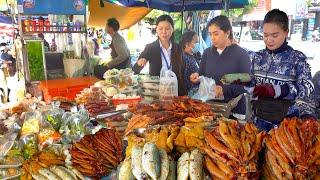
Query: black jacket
[[152, 54]]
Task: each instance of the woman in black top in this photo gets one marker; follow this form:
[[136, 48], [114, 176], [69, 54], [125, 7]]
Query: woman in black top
[[190, 45], [163, 53], [224, 57]]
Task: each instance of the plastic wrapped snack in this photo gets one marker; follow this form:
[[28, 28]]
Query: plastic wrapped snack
[[31, 123], [231, 78], [168, 84], [112, 76], [54, 116], [29, 145]]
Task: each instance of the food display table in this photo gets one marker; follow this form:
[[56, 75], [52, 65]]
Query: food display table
[[67, 88]]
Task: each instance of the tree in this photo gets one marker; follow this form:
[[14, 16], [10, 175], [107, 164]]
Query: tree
[[234, 13]]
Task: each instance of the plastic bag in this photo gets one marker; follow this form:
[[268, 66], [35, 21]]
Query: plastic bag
[[6, 143], [30, 146], [54, 116], [31, 123], [205, 91], [230, 78], [168, 84]]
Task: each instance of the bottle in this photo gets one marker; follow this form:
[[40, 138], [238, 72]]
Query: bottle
[[26, 26], [34, 25], [47, 25], [41, 27]]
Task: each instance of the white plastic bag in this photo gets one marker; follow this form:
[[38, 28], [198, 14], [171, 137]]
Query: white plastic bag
[[168, 86], [206, 90]]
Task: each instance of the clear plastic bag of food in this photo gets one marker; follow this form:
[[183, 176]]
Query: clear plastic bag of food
[[206, 90], [168, 87], [126, 77], [47, 136], [6, 143], [54, 116], [73, 126], [29, 145], [31, 123], [112, 76]]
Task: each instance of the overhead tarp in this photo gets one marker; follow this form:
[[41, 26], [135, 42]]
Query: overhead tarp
[[127, 16], [59, 7], [182, 5], [6, 27]]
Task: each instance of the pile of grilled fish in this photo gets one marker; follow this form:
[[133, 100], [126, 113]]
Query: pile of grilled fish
[[148, 162], [190, 166], [162, 136], [118, 123], [232, 150], [167, 113], [293, 150], [96, 155], [191, 135], [47, 165]]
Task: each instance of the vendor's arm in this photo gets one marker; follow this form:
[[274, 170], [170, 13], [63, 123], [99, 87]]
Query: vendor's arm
[[194, 77], [303, 87], [245, 65], [190, 67], [203, 63], [122, 51], [142, 60]]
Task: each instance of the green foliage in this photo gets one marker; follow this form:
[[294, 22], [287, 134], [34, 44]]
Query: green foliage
[[151, 18], [154, 14], [241, 11], [35, 58]]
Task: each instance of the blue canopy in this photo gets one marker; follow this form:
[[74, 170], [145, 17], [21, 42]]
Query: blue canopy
[[5, 19], [182, 5]]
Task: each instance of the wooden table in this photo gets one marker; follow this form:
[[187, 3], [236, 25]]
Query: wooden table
[[67, 88]]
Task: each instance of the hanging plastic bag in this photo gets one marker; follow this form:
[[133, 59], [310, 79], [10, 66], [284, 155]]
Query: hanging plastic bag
[[168, 87], [206, 90]]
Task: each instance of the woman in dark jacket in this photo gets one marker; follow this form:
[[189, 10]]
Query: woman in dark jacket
[[224, 57], [190, 46], [163, 53]]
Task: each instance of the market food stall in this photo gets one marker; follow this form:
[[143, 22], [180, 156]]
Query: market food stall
[[62, 57]]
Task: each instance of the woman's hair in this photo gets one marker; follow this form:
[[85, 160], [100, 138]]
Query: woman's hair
[[223, 23], [114, 23], [186, 38], [277, 17], [167, 18]]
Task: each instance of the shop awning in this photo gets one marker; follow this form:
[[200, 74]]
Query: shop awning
[[127, 16], [182, 5], [314, 9], [6, 27]]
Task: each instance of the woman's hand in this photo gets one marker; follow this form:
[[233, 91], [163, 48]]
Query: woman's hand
[[218, 91], [142, 62], [194, 78]]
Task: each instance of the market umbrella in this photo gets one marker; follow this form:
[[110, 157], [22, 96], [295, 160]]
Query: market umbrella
[[182, 5], [127, 16], [6, 28]]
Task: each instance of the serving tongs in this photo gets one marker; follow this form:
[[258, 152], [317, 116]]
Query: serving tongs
[[108, 114]]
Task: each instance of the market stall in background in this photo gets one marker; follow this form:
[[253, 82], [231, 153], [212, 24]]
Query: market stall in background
[[55, 46]]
